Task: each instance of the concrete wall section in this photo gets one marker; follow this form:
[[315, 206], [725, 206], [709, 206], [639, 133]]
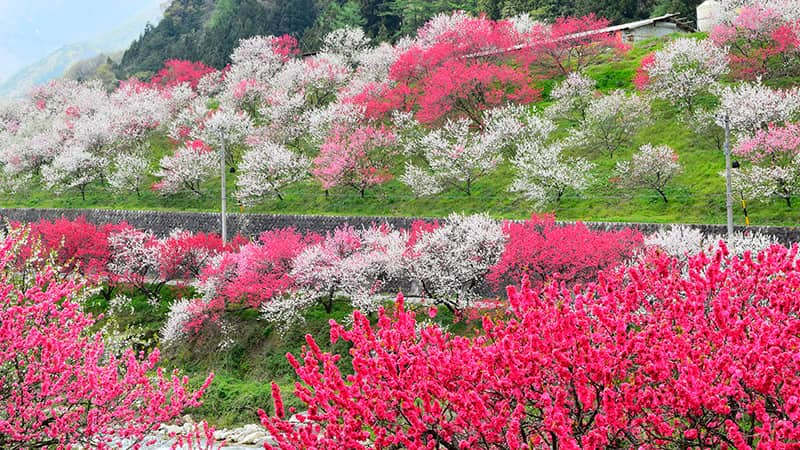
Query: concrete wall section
[[162, 222]]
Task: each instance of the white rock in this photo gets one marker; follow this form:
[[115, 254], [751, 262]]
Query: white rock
[[253, 438]]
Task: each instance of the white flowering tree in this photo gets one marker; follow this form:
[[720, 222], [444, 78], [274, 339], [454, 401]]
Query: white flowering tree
[[572, 96], [451, 261], [703, 122], [544, 173], [223, 131], [134, 259], [611, 121], [685, 69], [266, 169], [768, 181], [256, 60], [651, 167], [299, 87], [349, 263], [750, 107], [349, 42], [456, 156], [683, 241], [186, 169], [74, 168], [128, 170]]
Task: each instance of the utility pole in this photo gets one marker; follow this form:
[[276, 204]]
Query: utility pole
[[224, 200], [728, 196]]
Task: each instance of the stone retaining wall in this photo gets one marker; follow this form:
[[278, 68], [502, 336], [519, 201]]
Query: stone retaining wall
[[162, 222]]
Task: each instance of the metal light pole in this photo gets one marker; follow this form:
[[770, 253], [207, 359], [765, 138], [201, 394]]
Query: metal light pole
[[224, 200], [728, 196]]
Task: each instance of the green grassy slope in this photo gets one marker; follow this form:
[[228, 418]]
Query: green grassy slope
[[697, 195]]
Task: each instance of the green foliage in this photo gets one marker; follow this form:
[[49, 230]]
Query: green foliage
[[200, 30], [207, 31]]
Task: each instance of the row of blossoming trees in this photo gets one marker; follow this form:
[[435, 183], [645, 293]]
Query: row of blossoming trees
[[609, 342], [439, 111]]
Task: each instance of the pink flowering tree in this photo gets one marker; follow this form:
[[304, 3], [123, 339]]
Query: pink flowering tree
[[238, 279], [60, 387], [774, 154], [358, 157], [256, 272], [182, 255], [762, 38], [644, 357], [179, 71], [651, 167]]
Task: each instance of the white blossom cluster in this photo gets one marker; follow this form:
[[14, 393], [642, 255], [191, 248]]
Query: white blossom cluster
[[572, 96], [610, 122], [769, 181], [129, 169], [752, 106], [682, 241], [350, 263], [186, 169], [266, 169], [451, 261], [174, 329], [788, 9], [349, 42], [543, 172], [134, 254], [686, 68], [651, 167], [73, 131], [456, 155]]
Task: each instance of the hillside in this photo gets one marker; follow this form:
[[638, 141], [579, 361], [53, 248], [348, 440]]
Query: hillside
[[209, 30], [696, 196]]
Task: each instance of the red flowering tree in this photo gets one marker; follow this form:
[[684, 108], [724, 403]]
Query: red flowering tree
[[457, 67], [571, 44], [646, 358], [179, 71], [257, 271], [182, 254], [59, 386], [541, 250], [77, 245]]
